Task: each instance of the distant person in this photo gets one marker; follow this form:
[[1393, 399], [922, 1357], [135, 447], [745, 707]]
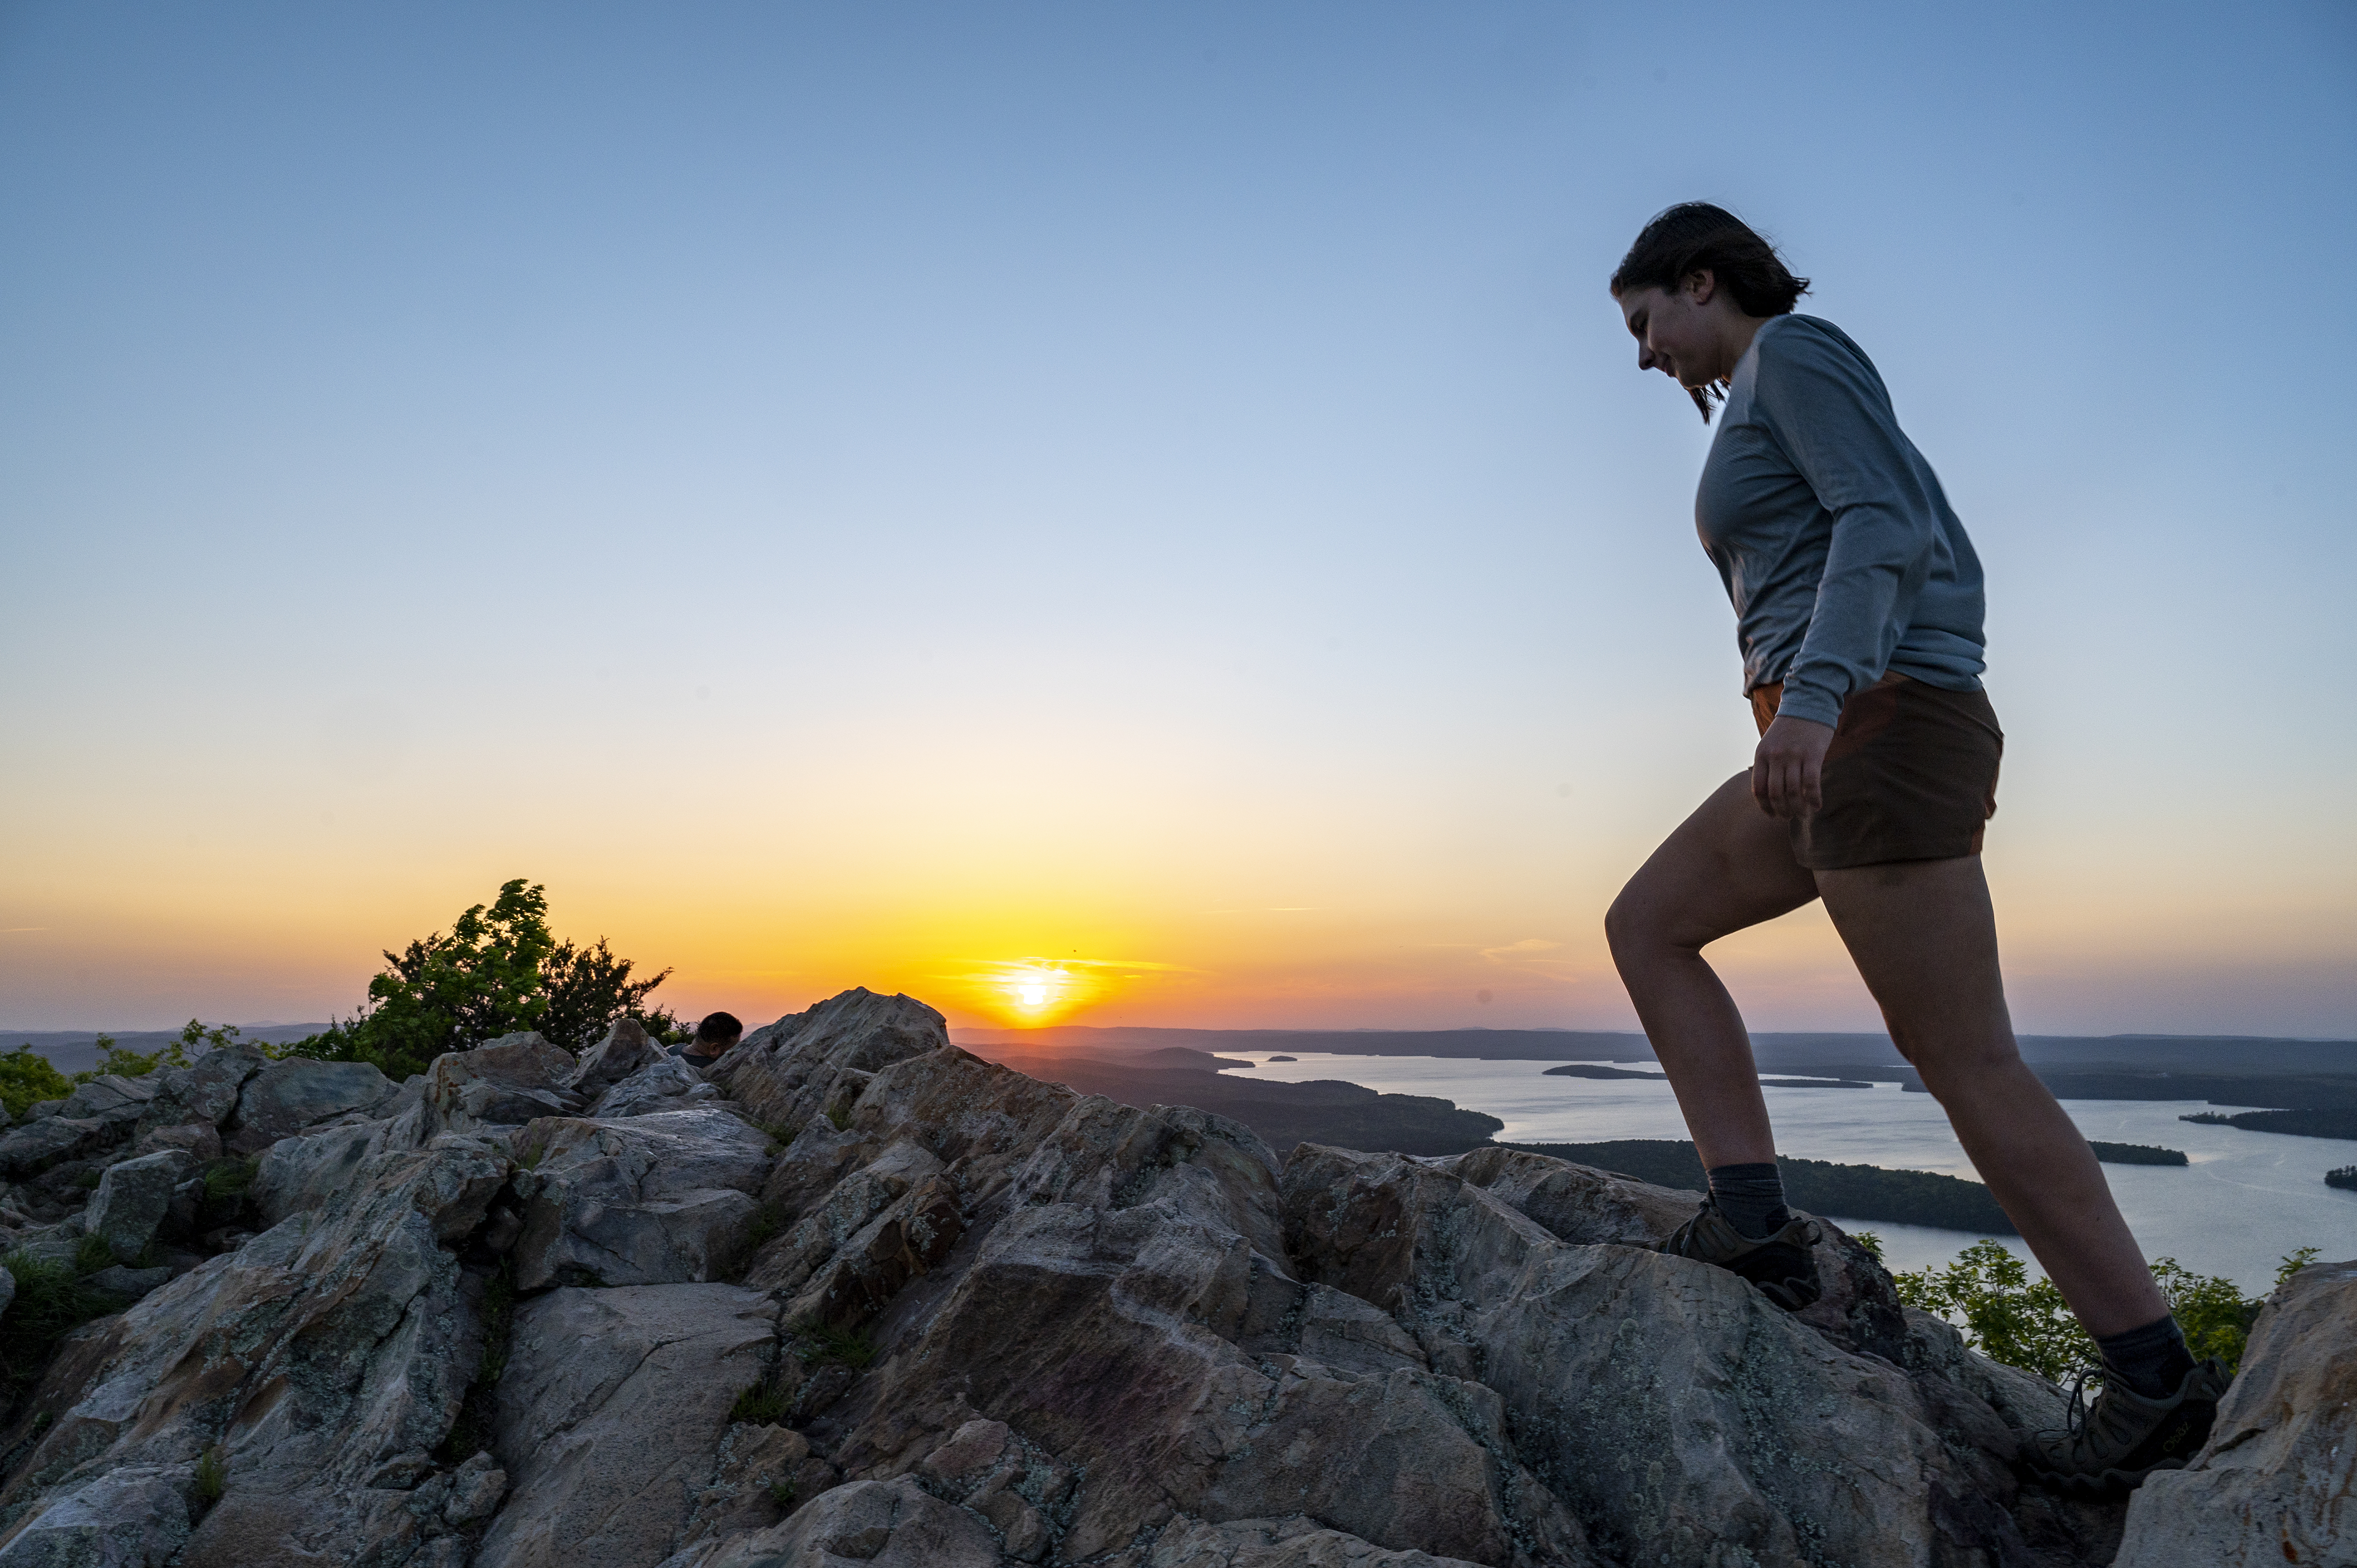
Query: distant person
[[712, 1040], [1858, 608]]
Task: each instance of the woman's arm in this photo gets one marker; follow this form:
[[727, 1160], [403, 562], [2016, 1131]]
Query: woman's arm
[[1828, 410]]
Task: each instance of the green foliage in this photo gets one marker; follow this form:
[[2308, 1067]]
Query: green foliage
[[1870, 1241], [499, 970], [91, 1254], [817, 1345], [839, 1117], [121, 1062], [588, 989], [226, 1179], [767, 1221], [27, 1077], [87, 1181], [2293, 1262], [779, 1133], [2025, 1323], [782, 1494], [761, 1405], [213, 1475], [51, 1301]]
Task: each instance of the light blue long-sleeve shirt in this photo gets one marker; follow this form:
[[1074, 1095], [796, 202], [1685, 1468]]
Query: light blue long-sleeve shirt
[[1838, 549]]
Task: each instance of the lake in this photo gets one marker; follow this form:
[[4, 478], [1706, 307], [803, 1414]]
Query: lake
[[2246, 1200]]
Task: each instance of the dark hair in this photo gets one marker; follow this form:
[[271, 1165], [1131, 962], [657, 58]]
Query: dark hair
[[1694, 236], [718, 1026]]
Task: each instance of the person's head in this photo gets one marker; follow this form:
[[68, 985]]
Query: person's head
[[717, 1033], [1693, 289]]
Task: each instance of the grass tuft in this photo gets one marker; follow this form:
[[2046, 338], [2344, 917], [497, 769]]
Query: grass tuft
[[761, 1405], [782, 1494], [213, 1475], [839, 1116], [90, 1254], [817, 1345]]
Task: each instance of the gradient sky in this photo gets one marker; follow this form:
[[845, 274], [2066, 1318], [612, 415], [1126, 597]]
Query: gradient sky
[[918, 495]]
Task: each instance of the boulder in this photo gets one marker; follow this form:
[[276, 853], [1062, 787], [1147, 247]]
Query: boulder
[[287, 1097], [887, 1524], [115, 1100], [132, 1518], [128, 1284], [1701, 1421], [37, 1145], [312, 1356], [206, 1092], [1295, 1542], [8, 1291], [623, 1051], [2278, 1481], [506, 1083], [665, 1085], [307, 1172], [610, 1417], [133, 1199], [812, 1062], [199, 1140], [657, 1199]]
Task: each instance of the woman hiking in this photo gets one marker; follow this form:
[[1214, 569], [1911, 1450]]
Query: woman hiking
[[1859, 609]]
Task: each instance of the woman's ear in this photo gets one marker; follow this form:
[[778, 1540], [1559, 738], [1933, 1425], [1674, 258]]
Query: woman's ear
[[1701, 285]]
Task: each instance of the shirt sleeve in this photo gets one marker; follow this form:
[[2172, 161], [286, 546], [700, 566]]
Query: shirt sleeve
[[1828, 410]]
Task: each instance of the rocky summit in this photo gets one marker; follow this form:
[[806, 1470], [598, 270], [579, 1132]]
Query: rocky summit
[[856, 1296]]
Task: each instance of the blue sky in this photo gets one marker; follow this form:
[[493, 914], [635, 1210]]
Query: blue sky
[[867, 492]]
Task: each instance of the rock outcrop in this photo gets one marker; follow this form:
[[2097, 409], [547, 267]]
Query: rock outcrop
[[854, 1295]]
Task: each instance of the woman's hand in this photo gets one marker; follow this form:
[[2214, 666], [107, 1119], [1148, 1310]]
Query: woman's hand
[[1788, 770]]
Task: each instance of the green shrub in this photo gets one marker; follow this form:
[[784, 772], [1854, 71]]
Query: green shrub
[[839, 1117], [87, 1180], [498, 971], [761, 1405], [767, 1221], [2025, 1323], [213, 1475], [782, 1494], [27, 1077], [90, 1254], [51, 1301], [226, 1179]]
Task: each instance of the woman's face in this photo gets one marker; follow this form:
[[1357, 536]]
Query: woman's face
[[1678, 331]]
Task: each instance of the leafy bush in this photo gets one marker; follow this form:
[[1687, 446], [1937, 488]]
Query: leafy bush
[[25, 1077], [761, 1405], [51, 1301], [2025, 1323], [499, 971], [91, 1254]]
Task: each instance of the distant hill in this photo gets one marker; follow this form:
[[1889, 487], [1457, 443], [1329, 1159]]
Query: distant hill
[[2223, 1069], [76, 1050]]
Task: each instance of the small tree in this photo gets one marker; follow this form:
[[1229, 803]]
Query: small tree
[[27, 1076], [2009, 1317], [499, 971]]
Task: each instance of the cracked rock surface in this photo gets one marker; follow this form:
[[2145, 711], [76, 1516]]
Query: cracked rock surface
[[853, 1295]]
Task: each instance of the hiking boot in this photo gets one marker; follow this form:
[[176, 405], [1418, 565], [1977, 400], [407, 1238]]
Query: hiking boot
[[2125, 1438], [1781, 1265]]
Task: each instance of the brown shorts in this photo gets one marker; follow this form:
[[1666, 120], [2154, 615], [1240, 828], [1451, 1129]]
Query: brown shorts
[[1911, 775]]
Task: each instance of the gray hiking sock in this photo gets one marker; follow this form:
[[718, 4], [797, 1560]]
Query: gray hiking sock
[[1752, 1198], [2152, 1360]]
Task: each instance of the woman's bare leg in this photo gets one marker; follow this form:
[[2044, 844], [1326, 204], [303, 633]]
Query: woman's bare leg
[[1726, 867], [1924, 937]]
